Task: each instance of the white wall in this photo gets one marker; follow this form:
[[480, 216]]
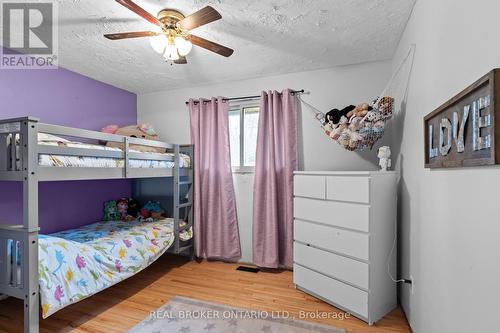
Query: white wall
[[328, 88], [449, 217]]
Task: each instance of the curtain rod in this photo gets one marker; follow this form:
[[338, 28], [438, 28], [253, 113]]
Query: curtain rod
[[294, 92]]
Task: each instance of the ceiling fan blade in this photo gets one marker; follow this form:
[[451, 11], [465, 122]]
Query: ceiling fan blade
[[211, 46], [139, 11], [199, 18], [123, 35], [181, 61]]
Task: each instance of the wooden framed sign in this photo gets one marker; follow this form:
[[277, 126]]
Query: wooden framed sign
[[463, 131]]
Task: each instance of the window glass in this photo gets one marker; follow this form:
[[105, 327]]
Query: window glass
[[243, 127], [251, 124], [234, 136]]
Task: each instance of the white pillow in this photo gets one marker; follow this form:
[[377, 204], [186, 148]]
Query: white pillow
[[44, 137]]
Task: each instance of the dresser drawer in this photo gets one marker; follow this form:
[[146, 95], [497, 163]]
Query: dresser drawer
[[337, 292], [331, 264], [341, 214], [347, 242], [309, 186], [355, 189]]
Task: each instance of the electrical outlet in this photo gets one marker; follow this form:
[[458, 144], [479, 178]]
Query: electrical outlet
[[412, 285]]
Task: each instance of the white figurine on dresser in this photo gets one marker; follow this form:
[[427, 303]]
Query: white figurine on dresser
[[344, 228], [384, 154]]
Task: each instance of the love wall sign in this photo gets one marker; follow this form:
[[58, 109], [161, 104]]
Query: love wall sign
[[463, 131]]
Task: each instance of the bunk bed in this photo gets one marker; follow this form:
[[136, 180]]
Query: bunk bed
[[31, 152]]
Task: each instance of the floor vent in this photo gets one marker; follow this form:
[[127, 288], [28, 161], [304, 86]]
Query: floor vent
[[248, 269]]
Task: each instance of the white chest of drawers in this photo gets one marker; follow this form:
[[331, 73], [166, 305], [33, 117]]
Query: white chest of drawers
[[344, 228]]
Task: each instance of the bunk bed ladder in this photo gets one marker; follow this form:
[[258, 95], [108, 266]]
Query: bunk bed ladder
[[179, 205]]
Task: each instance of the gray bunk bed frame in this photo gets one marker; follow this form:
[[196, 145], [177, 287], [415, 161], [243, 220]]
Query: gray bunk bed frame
[[20, 162]]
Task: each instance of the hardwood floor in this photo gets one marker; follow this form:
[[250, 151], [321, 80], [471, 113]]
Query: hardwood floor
[[122, 306]]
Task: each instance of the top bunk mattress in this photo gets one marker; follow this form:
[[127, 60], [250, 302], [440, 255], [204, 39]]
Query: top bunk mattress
[[99, 162]]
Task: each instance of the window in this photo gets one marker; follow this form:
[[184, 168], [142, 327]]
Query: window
[[243, 125]]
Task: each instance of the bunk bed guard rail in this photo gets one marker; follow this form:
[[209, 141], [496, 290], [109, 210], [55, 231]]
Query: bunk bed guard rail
[[17, 145], [14, 242]]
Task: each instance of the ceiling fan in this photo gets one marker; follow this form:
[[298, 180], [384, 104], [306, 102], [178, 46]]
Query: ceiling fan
[[174, 40]]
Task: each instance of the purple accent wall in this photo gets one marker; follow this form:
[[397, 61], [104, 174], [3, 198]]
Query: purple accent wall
[[65, 98]]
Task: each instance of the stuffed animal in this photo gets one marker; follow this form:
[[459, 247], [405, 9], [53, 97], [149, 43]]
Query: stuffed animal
[[385, 105], [337, 131], [355, 123], [122, 207], [360, 110], [354, 138], [110, 211], [334, 130], [379, 126], [344, 138], [333, 116], [133, 209], [141, 131], [373, 116], [151, 211]]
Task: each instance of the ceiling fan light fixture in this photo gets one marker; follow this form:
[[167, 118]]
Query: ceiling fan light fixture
[[171, 53], [159, 43], [183, 46]]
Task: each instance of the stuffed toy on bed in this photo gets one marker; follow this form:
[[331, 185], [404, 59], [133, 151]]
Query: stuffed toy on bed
[[151, 211], [125, 209], [111, 211], [122, 207], [132, 209], [141, 131]]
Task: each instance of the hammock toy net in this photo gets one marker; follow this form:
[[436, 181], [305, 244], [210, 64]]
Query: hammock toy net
[[360, 127]]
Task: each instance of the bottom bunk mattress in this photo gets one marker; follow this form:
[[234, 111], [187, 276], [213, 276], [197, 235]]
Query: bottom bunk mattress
[[78, 263]]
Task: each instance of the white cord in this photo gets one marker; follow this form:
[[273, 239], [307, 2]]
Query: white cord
[[411, 52], [313, 109], [390, 256]]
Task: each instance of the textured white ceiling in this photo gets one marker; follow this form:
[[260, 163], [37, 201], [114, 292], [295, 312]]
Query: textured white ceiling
[[269, 37]]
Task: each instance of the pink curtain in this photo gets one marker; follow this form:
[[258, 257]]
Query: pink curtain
[[216, 233], [273, 186]]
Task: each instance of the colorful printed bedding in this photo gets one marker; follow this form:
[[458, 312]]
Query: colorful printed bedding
[[78, 263]]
